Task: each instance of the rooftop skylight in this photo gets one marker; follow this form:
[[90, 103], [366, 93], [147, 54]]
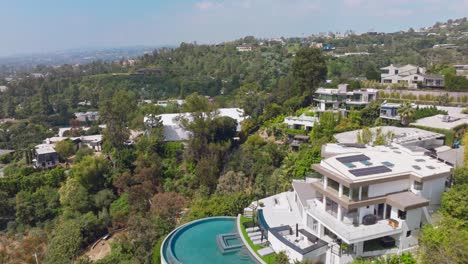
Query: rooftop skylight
[[388, 164]]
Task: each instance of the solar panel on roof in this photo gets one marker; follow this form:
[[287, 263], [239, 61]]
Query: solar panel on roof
[[370, 171], [353, 158], [416, 167]]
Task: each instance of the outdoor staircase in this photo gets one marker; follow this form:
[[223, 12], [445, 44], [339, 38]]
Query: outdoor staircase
[[249, 211]]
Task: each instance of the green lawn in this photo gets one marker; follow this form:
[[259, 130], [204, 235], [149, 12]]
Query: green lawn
[[270, 259]]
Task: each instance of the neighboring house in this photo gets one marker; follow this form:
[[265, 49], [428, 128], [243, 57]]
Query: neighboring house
[[404, 136], [303, 121], [148, 71], [366, 202], [165, 103], [45, 156], [87, 116], [410, 76], [3, 88], [461, 70], [341, 99], [244, 48], [93, 142], [173, 130], [389, 111]]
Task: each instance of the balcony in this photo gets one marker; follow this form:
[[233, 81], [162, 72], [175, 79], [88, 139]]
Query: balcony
[[389, 116], [349, 232]]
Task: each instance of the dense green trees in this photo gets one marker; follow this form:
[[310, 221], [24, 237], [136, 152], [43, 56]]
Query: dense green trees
[[309, 70]]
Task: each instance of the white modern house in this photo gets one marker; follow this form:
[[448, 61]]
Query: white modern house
[[405, 136], [165, 103], [389, 111], [340, 99], [303, 121], [45, 156], [87, 116], [244, 48], [365, 201], [410, 76], [173, 130]]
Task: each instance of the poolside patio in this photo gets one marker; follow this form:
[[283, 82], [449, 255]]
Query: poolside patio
[[280, 210]]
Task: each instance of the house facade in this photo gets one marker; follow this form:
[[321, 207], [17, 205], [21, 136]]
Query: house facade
[[87, 116], [303, 122], [173, 129], [389, 111], [410, 76], [45, 156], [364, 202], [341, 99]]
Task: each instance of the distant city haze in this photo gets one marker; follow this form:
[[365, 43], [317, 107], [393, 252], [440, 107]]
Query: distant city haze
[[32, 26]]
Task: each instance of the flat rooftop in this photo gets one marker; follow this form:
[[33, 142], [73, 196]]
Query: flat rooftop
[[380, 162], [440, 121], [402, 135]]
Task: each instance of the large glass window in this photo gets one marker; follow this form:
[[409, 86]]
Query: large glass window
[[418, 185], [355, 194], [333, 184], [345, 191], [365, 192]]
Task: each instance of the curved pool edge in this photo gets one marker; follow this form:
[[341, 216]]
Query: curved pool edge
[[176, 230], [251, 251]]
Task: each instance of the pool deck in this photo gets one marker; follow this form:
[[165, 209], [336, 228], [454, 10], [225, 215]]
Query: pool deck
[[251, 251], [280, 210]]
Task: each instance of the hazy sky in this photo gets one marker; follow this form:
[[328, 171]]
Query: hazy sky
[[50, 25]]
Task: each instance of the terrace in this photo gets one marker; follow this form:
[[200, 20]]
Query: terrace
[[348, 231]]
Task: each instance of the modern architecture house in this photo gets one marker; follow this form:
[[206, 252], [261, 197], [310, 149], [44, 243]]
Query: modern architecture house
[[389, 111], [405, 136], [303, 121], [461, 69], [365, 201], [341, 99], [173, 130], [410, 76], [45, 156], [87, 116]]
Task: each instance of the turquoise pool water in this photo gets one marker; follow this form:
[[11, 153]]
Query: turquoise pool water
[[195, 243]]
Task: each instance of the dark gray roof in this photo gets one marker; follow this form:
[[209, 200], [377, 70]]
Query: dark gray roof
[[304, 191], [406, 201]]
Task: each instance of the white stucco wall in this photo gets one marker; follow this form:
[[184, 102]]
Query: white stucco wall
[[433, 189], [388, 187], [413, 218]]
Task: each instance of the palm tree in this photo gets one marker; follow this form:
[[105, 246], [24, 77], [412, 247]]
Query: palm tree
[[406, 112]]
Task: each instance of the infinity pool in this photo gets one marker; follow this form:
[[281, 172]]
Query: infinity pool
[[195, 243]]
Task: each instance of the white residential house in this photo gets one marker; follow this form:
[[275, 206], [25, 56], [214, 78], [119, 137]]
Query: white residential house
[[341, 99], [389, 111], [45, 156], [87, 116], [165, 103], [3, 88], [410, 76], [303, 121], [461, 70], [244, 48], [364, 202], [173, 130]]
